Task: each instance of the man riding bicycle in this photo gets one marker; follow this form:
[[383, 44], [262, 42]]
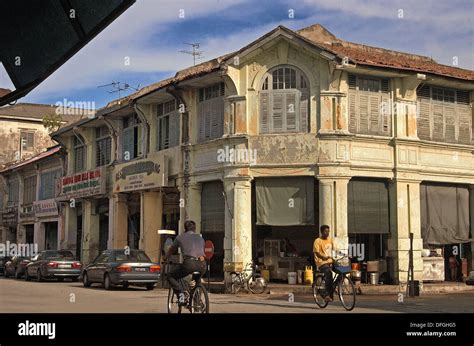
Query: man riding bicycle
[[192, 248], [323, 248]]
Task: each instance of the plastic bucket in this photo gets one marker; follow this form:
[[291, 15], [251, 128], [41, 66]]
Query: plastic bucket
[[265, 274], [292, 278], [308, 275]]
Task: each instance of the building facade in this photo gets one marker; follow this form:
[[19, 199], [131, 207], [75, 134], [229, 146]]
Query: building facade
[[262, 146]]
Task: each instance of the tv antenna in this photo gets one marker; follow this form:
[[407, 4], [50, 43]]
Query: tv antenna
[[197, 54], [118, 87]]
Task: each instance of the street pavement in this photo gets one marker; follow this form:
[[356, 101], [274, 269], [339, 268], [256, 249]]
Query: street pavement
[[20, 296]]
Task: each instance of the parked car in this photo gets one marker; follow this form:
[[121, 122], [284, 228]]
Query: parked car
[[116, 267], [16, 266], [53, 264], [3, 261], [470, 279]]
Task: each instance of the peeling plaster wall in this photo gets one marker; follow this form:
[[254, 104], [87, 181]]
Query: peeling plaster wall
[[10, 140]]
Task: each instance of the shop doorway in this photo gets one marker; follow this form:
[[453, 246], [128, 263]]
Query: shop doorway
[[79, 235], [213, 224], [51, 235], [30, 234], [134, 216]]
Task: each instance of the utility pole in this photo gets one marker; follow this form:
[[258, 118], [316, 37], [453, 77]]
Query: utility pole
[[195, 52]]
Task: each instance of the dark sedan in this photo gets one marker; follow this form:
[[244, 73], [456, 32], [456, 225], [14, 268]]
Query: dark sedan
[[3, 261], [16, 266], [122, 267], [54, 264]]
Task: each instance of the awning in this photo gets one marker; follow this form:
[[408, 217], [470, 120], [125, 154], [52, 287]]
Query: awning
[[285, 201], [444, 214], [39, 36], [368, 207]]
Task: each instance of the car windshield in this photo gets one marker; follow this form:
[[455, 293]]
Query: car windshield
[[67, 255], [135, 256]]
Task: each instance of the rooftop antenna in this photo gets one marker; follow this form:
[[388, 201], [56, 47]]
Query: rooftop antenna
[[195, 52], [118, 87]]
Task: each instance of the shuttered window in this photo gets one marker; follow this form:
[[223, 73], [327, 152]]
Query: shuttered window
[[211, 112], [444, 115], [13, 192], [284, 101], [369, 105], [168, 125], [29, 190], [103, 146], [79, 155], [212, 207], [131, 138], [48, 184], [27, 139]]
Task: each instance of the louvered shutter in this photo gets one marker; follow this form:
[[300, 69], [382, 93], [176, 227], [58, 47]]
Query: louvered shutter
[[278, 111], [450, 123], [127, 143], [353, 112], [363, 113], [385, 115], [304, 111], [174, 129], [291, 106], [202, 120], [423, 120], [374, 113], [30, 138], [465, 124], [217, 117], [264, 111], [438, 122]]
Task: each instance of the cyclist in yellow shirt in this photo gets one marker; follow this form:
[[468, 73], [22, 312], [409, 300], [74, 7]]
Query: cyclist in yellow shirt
[[323, 249]]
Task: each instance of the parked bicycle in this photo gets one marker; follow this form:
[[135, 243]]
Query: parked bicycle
[[248, 278], [193, 296], [342, 283]]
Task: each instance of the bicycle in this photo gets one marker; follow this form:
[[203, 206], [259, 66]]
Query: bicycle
[[248, 278], [193, 296], [342, 283]]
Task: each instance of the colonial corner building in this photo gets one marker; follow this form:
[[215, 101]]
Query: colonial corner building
[[377, 144]]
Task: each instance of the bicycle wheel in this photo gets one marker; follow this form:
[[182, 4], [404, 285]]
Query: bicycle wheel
[[347, 293], [199, 300], [173, 306], [257, 284], [235, 284], [319, 291]]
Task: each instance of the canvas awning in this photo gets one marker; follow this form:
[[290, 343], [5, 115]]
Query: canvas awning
[[285, 201], [444, 214], [368, 207]]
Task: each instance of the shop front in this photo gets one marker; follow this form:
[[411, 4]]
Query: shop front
[[47, 214], [446, 231], [368, 218], [83, 196], [139, 188], [285, 213]]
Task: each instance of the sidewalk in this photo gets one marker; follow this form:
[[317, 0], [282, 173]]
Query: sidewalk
[[365, 289]]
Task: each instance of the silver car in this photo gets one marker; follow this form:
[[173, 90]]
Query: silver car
[[122, 267], [53, 264]]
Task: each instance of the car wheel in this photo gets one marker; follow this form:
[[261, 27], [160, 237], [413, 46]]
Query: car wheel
[[39, 277], [74, 279], [125, 285], [107, 283], [60, 279], [150, 287], [85, 280], [27, 277]]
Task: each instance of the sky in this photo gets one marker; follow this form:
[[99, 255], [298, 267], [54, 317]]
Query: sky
[[142, 46]]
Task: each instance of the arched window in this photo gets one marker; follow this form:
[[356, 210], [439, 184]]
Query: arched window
[[284, 101]]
